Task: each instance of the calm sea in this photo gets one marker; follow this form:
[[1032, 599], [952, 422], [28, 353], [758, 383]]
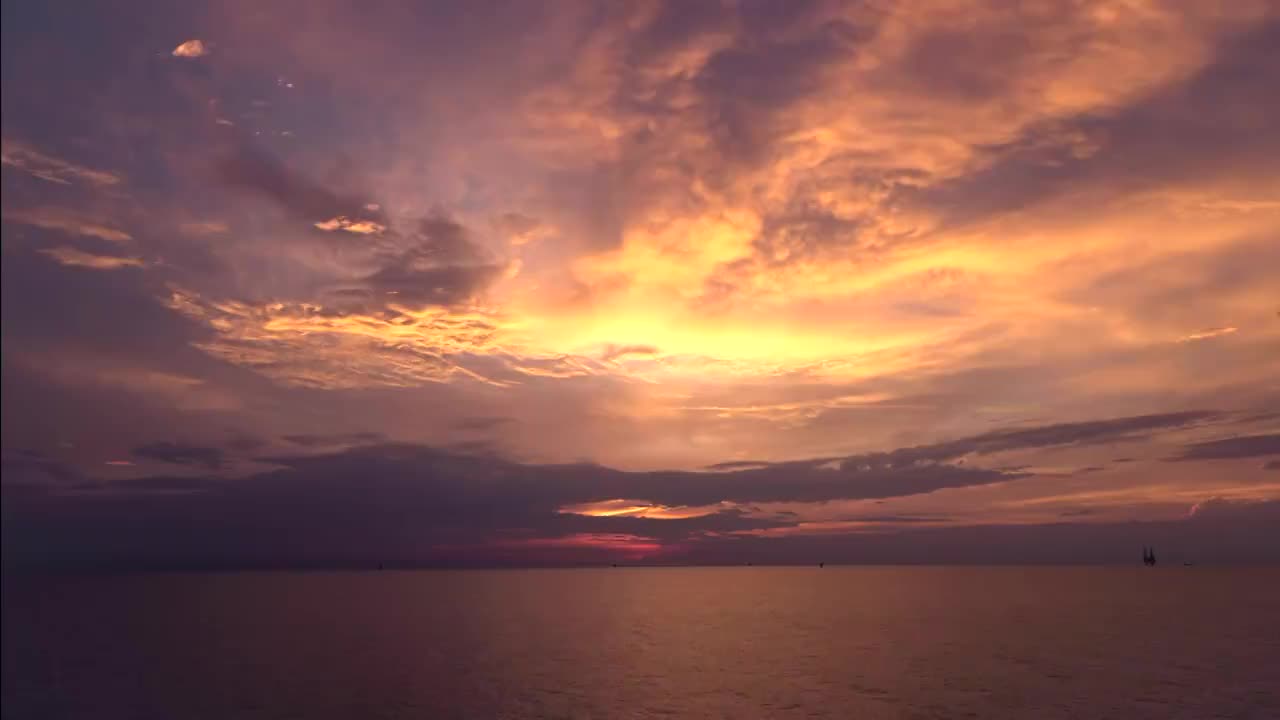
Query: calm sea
[[837, 642]]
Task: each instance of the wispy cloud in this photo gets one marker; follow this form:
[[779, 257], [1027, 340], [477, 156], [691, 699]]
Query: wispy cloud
[[877, 266], [1210, 333], [204, 227], [46, 167], [67, 221], [1234, 447], [179, 454], [77, 258], [332, 440]]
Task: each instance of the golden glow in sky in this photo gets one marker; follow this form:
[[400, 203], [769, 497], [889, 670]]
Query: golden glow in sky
[[1029, 246]]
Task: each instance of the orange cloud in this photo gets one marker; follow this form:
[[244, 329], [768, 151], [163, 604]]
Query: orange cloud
[[359, 227], [621, 545], [893, 205], [635, 508], [1210, 333], [76, 258], [46, 167], [67, 221], [191, 49]]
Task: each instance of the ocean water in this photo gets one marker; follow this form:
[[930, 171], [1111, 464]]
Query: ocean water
[[912, 642]]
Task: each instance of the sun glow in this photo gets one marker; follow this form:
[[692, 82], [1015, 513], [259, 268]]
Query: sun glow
[[637, 508]]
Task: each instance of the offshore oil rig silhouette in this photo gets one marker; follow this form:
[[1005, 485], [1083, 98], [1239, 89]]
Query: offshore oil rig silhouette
[[1148, 556]]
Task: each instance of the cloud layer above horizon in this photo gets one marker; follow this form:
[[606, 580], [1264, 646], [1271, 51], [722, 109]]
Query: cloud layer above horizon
[[633, 277]]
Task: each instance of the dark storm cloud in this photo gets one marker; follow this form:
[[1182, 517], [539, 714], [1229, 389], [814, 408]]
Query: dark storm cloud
[[402, 501], [412, 504], [1229, 448], [179, 454], [1227, 533], [553, 486], [394, 502], [485, 491]]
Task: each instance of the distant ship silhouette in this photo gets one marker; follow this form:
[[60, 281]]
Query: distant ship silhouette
[[1148, 556]]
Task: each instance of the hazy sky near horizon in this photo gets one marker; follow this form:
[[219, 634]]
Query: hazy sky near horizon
[[323, 281]]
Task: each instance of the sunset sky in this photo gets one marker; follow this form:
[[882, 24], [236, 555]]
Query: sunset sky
[[522, 282]]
